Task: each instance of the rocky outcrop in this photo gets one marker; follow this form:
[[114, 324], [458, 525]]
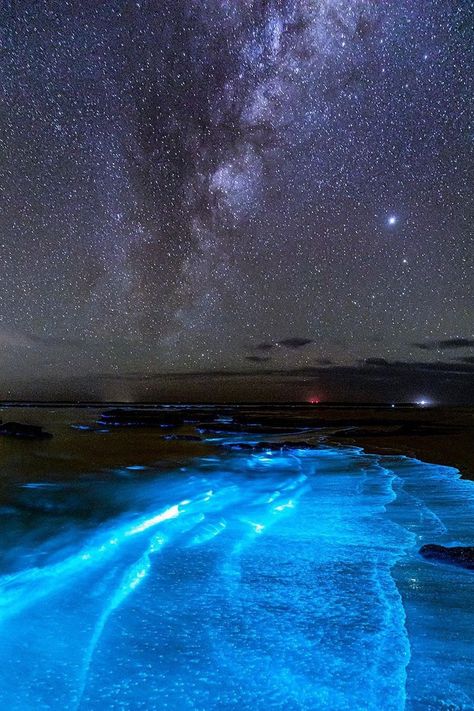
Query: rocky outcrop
[[455, 555], [17, 429]]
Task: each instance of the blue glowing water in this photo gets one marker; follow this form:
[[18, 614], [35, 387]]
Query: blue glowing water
[[245, 581]]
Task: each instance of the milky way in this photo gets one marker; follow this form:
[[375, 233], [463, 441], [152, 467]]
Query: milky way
[[221, 187]]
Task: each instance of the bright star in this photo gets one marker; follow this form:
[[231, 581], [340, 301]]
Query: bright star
[[392, 220]]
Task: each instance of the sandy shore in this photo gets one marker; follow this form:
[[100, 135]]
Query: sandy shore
[[436, 435], [432, 434]]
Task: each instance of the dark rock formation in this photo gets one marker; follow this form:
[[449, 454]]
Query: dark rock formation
[[455, 555], [16, 429]]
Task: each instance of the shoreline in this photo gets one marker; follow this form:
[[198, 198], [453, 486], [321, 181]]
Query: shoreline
[[437, 435], [464, 466], [450, 443]]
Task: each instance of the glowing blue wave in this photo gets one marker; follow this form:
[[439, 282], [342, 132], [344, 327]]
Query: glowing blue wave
[[272, 580]]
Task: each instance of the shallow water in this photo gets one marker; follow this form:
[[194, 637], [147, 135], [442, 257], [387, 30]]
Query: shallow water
[[263, 581]]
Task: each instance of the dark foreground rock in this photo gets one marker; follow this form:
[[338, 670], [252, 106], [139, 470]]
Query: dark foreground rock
[[455, 555], [17, 429]]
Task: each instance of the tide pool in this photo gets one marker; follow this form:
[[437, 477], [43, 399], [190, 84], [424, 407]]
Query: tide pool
[[242, 581]]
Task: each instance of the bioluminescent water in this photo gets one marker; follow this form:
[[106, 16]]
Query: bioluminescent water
[[242, 581]]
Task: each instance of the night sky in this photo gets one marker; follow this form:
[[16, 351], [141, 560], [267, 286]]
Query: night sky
[[236, 199]]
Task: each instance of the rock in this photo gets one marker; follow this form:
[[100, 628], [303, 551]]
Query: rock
[[16, 429], [455, 555]]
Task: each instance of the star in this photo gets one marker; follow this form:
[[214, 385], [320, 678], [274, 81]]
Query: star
[[392, 220]]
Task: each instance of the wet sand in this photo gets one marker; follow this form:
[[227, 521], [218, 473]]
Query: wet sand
[[74, 455], [435, 435]]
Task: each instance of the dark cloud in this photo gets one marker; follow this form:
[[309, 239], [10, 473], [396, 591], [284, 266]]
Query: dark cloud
[[456, 343], [295, 342], [438, 366], [441, 382], [419, 366], [446, 344], [324, 361], [257, 359], [376, 361], [347, 371], [398, 381]]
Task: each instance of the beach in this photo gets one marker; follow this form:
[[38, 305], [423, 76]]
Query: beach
[[209, 557]]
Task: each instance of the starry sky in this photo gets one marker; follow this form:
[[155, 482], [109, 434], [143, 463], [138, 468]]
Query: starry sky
[[236, 199]]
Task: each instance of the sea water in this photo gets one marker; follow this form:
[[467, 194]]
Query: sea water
[[270, 580]]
